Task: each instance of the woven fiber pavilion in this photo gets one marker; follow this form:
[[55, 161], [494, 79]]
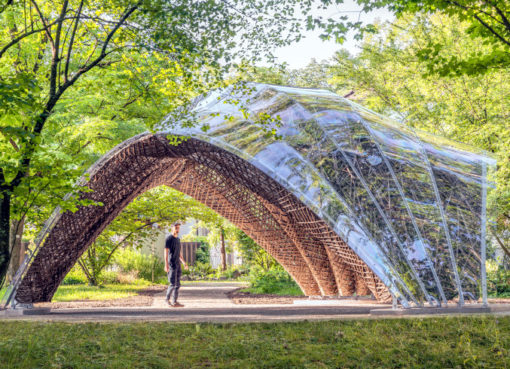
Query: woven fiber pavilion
[[347, 201]]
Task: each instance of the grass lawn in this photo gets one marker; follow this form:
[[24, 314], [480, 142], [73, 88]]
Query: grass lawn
[[388, 343], [106, 292]]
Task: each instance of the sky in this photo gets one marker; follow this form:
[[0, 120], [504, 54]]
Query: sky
[[311, 46]]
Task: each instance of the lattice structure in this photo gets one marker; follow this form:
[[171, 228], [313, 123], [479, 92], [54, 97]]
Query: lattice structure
[[266, 211], [346, 200]]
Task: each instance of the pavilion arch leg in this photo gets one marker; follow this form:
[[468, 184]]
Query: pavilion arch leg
[[313, 251], [361, 287], [345, 278], [56, 258]]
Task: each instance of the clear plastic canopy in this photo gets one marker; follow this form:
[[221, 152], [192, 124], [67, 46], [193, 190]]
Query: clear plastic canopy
[[410, 204]]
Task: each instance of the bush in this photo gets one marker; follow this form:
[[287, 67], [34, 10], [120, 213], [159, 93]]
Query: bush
[[274, 281], [130, 261], [200, 270], [498, 281], [232, 272], [108, 277], [203, 254], [75, 276]]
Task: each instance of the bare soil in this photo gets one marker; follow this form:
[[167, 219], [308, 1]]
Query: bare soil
[[144, 298]]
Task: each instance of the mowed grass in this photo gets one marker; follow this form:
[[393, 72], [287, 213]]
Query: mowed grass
[[106, 292], [451, 342]]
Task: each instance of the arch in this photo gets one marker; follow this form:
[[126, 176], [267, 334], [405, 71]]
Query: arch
[[348, 201], [301, 242]]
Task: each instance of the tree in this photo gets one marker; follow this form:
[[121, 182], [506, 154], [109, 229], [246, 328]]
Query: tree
[[50, 49], [487, 21], [253, 254], [220, 230], [314, 75]]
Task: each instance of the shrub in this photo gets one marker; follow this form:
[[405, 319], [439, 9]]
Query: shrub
[[108, 277], [75, 276], [232, 272], [200, 270], [274, 281], [498, 281], [203, 254], [130, 261], [161, 280]]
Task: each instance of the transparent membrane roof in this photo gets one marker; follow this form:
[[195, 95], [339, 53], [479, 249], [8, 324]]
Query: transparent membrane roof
[[410, 204]]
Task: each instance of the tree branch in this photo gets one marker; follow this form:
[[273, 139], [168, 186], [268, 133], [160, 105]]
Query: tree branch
[[14, 41], [55, 95], [85, 270], [491, 30], [504, 19], [9, 2], [46, 27], [55, 52], [71, 41], [500, 242], [122, 242]]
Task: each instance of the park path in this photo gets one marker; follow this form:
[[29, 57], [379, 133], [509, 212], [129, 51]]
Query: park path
[[208, 302], [201, 295]]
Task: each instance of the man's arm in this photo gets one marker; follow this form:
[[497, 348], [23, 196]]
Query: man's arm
[[167, 268], [183, 262]]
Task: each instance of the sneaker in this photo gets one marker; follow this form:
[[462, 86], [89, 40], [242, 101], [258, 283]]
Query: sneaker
[[176, 305]]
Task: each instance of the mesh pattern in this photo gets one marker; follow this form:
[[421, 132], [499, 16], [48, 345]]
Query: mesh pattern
[[314, 255]]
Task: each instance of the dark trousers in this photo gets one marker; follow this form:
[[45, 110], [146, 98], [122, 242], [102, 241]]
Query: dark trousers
[[174, 280]]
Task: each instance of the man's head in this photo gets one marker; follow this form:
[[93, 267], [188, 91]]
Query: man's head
[[175, 229]]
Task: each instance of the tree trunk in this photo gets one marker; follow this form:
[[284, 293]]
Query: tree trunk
[[16, 256], [222, 251], [5, 216]]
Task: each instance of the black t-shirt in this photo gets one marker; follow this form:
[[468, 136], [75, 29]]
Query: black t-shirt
[[173, 244]]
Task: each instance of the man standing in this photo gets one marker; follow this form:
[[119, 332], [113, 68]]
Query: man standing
[[173, 260]]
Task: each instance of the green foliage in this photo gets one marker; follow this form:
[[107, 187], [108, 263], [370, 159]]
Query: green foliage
[[273, 281], [129, 260], [498, 281], [253, 255], [487, 22], [203, 254], [233, 272], [265, 274], [75, 276], [200, 270], [314, 75]]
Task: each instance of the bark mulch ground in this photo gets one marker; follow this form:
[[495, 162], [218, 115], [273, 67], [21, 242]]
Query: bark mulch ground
[[239, 297]]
